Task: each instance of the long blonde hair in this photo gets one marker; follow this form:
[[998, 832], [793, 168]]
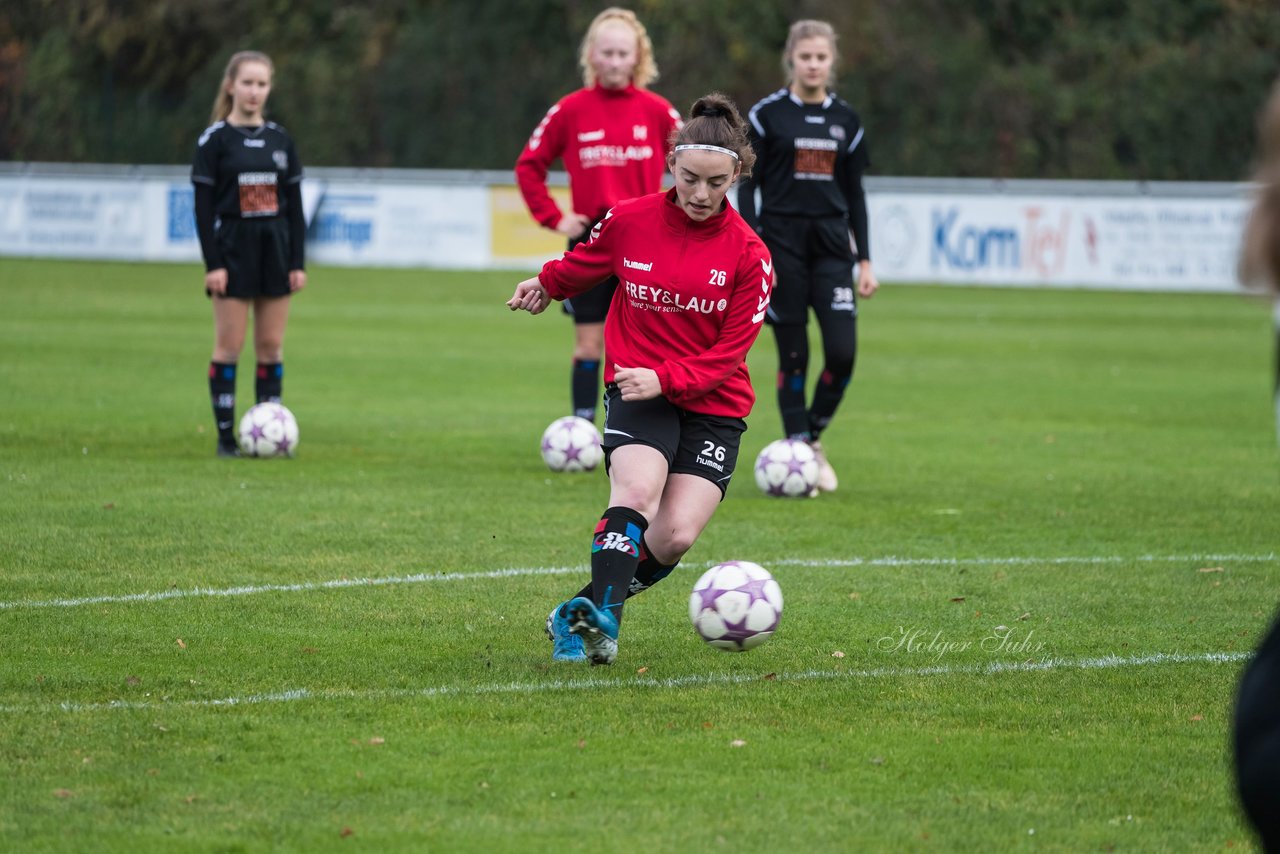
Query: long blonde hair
[[646, 70], [809, 29], [222, 101], [1260, 248]]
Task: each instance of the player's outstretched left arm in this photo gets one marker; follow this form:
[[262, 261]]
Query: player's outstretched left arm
[[530, 295]]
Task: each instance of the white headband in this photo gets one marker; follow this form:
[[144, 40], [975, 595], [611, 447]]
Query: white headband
[[698, 147]]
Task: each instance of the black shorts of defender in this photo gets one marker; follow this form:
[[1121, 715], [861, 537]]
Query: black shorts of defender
[[256, 252], [692, 442], [592, 306], [813, 260]]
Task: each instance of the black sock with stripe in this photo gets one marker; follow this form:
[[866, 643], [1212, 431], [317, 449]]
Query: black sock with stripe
[[269, 382], [649, 571], [615, 554], [585, 387], [222, 393]]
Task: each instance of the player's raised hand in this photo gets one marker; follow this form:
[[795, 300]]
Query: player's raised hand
[[530, 295]]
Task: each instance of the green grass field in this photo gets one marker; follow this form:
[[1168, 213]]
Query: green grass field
[[346, 649]]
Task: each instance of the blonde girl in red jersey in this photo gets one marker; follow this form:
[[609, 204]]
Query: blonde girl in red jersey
[[611, 136], [694, 287]]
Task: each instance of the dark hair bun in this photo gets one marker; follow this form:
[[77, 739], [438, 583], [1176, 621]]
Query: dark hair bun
[[714, 120], [713, 106]]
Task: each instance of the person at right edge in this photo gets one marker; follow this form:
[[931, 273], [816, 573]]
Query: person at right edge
[[1257, 713], [811, 154]]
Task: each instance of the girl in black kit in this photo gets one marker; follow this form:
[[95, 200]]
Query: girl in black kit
[[810, 158], [248, 189]]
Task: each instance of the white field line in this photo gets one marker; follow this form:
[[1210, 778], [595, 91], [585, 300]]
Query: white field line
[[426, 577], [590, 683]]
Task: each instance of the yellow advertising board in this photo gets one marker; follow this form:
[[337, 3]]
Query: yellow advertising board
[[515, 238]]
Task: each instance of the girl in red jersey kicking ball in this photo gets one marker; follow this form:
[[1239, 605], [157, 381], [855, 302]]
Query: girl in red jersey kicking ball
[[694, 284]]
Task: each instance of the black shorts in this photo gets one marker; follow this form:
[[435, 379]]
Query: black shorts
[[691, 442], [813, 260], [257, 255], [593, 306]]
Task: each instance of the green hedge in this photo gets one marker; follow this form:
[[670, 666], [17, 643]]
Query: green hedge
[[1148, 89]]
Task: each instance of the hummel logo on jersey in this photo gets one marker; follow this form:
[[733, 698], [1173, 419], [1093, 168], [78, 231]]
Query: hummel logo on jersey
[[591, 136], [766, 283], [255, 143], [815, 120], [595, 229], [640, 132], [607, 540], [637, 265]]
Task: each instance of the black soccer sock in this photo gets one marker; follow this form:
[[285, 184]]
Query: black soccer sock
[[222, 393], [793, 364], [827, 395], [269, 382], [839, 352], [649, 572], [615, 554], [585, 387]]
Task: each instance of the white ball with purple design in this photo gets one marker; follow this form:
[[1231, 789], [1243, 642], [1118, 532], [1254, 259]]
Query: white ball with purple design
[[268, 430], [736, 605], [787, 468], [571, 444]]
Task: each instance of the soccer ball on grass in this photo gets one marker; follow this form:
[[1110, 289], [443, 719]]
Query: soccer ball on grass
[[571, 444], [736, 605], [268, 430], [787, 468]]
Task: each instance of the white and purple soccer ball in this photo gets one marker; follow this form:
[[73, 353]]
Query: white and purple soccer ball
[[571, 444], [787, 468], [268, 430], [736, 606]]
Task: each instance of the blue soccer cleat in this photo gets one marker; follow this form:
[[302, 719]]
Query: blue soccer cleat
[[597, 628], [567, 646]]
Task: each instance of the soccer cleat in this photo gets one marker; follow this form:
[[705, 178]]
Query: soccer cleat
[[567, 646], [228, 450], [598, 629], [827, 481]]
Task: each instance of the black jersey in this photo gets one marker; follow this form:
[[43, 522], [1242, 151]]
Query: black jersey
[[251, 174], [249, 168], [809, 162]]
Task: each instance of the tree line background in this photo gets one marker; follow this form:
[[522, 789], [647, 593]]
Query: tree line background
[[1141, 90]]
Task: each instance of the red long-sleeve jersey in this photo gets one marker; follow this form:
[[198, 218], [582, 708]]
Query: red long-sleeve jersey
[[614, 144], [690, 301]]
